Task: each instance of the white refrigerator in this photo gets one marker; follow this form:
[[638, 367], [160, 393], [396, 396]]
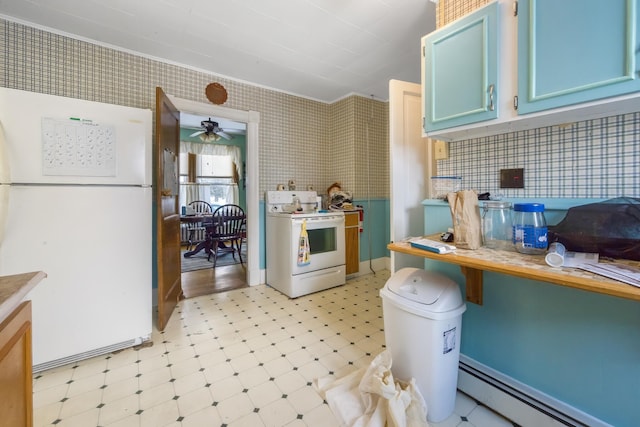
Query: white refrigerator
[[76, 203]]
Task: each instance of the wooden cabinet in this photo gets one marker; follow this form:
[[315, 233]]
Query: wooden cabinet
[[556, 63], [16, 400], [352, 242], [575, 51], [461, 71]]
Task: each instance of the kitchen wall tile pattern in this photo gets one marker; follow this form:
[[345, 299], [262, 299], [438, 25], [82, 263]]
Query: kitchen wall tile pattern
[[342, 132], [296, 134], [596, 158], [372, 149], [361, 133], [450, 10]]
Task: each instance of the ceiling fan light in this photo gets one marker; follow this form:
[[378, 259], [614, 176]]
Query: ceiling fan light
[[209, 137]]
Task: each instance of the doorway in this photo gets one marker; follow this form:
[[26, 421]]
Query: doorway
[[212, 174], [252, 120]]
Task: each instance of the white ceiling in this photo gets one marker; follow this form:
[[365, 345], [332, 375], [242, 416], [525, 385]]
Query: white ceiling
[[319, 49]]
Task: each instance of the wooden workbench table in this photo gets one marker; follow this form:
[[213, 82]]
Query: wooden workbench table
[[474, 262]]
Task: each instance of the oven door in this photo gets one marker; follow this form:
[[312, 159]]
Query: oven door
[[326, 242]]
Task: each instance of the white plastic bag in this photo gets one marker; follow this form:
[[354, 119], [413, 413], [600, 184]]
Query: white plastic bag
[[372, 398]]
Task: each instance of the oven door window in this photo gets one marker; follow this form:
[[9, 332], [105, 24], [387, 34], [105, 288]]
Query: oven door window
[[322, 240], [326, 244]]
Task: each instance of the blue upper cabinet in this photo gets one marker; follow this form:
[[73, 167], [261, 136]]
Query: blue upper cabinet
[[575, 51], [460, 71]]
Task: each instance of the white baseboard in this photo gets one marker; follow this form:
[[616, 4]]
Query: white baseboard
[[517, 401]]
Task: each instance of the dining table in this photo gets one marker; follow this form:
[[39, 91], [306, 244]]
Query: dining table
[[207, 243]]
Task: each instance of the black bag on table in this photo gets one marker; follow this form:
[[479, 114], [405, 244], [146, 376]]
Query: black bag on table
[[610, 228]]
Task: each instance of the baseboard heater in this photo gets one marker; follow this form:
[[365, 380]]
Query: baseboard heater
[[517, 401], [89, 354]]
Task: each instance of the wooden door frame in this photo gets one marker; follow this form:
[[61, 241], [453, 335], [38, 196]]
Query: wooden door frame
[[252, 120], [406, 144]]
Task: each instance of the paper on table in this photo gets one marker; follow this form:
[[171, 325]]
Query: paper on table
[[575, 259], [622, 272]]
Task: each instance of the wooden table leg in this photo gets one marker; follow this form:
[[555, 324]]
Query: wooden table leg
[[473, 284]]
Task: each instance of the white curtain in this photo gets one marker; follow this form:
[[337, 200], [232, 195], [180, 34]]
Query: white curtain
[[215, 150], [196, 192]]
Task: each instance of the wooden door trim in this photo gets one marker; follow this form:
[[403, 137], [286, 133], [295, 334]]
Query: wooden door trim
[[252, 119]]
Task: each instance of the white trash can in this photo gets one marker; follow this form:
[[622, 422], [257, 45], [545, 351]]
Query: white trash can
[[422, 313]]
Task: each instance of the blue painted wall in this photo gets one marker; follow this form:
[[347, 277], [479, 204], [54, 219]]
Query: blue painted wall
[[579, 347], [375, 229]]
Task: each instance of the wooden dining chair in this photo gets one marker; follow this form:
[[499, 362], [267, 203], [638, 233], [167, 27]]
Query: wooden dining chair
[[201, 208], [227, 231]]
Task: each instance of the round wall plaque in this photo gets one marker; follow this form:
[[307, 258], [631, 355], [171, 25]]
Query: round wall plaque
[[216, 93]]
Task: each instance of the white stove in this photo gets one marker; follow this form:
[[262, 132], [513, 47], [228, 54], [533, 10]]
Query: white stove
[[300, 203], [287, 212]]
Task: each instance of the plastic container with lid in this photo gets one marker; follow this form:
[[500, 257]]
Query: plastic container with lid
[[497, 225], [422, 313], [555, 256], [529, 228], [443, 185]]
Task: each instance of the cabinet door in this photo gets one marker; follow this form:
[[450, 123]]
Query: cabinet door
[[574, 51], [16, 393], [461, 71], [352, 242]]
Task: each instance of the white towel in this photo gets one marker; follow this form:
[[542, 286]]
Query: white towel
[[372, 398]]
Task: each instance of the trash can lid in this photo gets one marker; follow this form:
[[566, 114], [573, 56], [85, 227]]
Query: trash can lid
[[439, 293]]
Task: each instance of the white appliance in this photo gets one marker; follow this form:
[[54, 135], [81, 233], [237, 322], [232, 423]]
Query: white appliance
[[75, 194], [286, 213]]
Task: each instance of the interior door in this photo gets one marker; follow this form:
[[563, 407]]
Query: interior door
[[166, 155], [411, 158]]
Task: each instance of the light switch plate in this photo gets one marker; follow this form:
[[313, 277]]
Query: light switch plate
[[441, 150]]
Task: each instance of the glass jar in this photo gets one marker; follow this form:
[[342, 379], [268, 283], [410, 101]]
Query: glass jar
[[529, 228], [497, 225]]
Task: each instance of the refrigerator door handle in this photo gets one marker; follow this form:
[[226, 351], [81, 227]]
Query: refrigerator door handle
[[4, 210], [5, 171], [5, 178]]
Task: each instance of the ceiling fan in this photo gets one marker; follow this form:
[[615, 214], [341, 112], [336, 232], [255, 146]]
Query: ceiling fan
[[211, 131]]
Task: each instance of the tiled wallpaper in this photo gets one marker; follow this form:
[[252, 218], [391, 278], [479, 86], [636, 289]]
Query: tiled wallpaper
[[450, 10], [311, 142], [364, 137], [596, 158]]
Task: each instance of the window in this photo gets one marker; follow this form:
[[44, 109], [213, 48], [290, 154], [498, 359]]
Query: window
[[213, 166], [215, 179]]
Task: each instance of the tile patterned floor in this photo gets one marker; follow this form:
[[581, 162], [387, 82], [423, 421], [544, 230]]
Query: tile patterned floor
[[246, 357]]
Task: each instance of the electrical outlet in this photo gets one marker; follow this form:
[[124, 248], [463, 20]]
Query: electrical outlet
[[511, 178], [440, 150]]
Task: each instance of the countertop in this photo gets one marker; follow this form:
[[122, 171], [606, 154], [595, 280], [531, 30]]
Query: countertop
[[13, 289], [474, 262]]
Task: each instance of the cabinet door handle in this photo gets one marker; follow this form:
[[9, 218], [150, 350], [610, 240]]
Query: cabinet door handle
[[491, 89]]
